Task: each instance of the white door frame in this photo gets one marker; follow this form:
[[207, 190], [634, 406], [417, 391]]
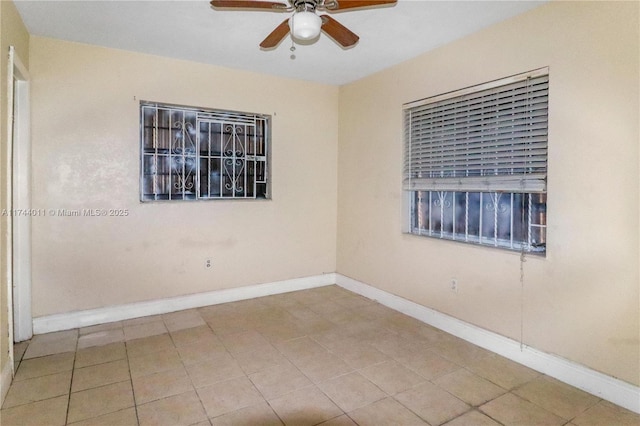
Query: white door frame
[[20, 144]]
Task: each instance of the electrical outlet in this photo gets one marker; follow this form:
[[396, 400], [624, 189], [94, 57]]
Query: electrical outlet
[[208, 263], [453, 285]]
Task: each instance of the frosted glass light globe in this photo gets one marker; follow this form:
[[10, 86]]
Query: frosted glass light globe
[[305, 25]]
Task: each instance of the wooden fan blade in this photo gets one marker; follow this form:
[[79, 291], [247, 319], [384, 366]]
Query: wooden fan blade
[[248, 4], [341, 34], [276, 35], [352, 4]]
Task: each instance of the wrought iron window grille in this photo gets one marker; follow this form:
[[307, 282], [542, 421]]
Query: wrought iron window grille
[[203, 154]]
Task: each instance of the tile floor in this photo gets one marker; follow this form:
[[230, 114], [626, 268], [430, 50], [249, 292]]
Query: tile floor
[[320, 356]]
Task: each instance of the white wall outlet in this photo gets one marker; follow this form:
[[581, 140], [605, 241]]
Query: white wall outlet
[[208, 263], [453, 285]]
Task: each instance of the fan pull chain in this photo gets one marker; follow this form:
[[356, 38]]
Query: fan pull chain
[[292, 49]]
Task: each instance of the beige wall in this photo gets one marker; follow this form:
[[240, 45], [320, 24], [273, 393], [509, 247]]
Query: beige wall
[[580, 302], [85, 132], [12, 33]]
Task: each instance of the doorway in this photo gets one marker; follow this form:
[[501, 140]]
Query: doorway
[[20, 198]]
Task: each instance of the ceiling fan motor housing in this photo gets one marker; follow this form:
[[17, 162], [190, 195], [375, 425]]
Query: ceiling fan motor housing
[[305, 5]]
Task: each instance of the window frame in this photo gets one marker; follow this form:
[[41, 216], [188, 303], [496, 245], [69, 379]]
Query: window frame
[[448, 179]]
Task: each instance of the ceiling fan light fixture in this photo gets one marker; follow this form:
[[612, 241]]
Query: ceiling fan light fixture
[[305, 25]]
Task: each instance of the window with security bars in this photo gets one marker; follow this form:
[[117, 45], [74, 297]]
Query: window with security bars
[[201, 154], [475, 163]]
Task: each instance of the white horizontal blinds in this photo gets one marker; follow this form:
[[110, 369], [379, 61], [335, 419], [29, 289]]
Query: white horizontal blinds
[[490, 139]]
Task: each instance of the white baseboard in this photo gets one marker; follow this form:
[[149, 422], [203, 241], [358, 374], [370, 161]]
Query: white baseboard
[[6, 376], [71, 320], [616, 391], [606, 387]]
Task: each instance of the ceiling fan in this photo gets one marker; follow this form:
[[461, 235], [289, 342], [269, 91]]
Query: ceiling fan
[[304, 24]]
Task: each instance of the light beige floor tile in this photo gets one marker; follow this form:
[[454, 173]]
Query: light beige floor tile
[[316, 325], [343, 420], [513, 410], [147, 345], [472, 389], [214, 370], [18, 351], [100, 354], [307, 406], [557, 397], [281, 332], [161, 385], [202, 349], [126, 417], [141, 320], [411, 328], [247, 305], [396, 346], [51, 364], [252, 362], [362, 329], [330, 292], [375, 311], [216, 310], [37, 389], [392, 377], [432, 403], [459, 351], [278, 300], [501, 371], [345, 318], [328, 309], [303, 313], [331, 336], [146, 329], [55, 336], [428, 364], [472, 418], [606, 413], [279, 380], [357, 354], [259, 414], [100, 375], [178, 410], [300, 348], [354, 301], [154, 362], [99, 401], [100, 338], [363, 335], [307, 297], [190, 335], [387, 411], [270, 316], [246, 341], [322, 366], [351, 391], [229, 395], [183, 320], [52, 343], [100, 327], [50, 412], [230, 323]]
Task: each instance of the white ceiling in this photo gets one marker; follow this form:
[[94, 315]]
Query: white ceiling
[[194, 31]]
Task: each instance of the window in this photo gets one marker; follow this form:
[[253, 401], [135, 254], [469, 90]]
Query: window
[[475, 166], [201, 154]]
